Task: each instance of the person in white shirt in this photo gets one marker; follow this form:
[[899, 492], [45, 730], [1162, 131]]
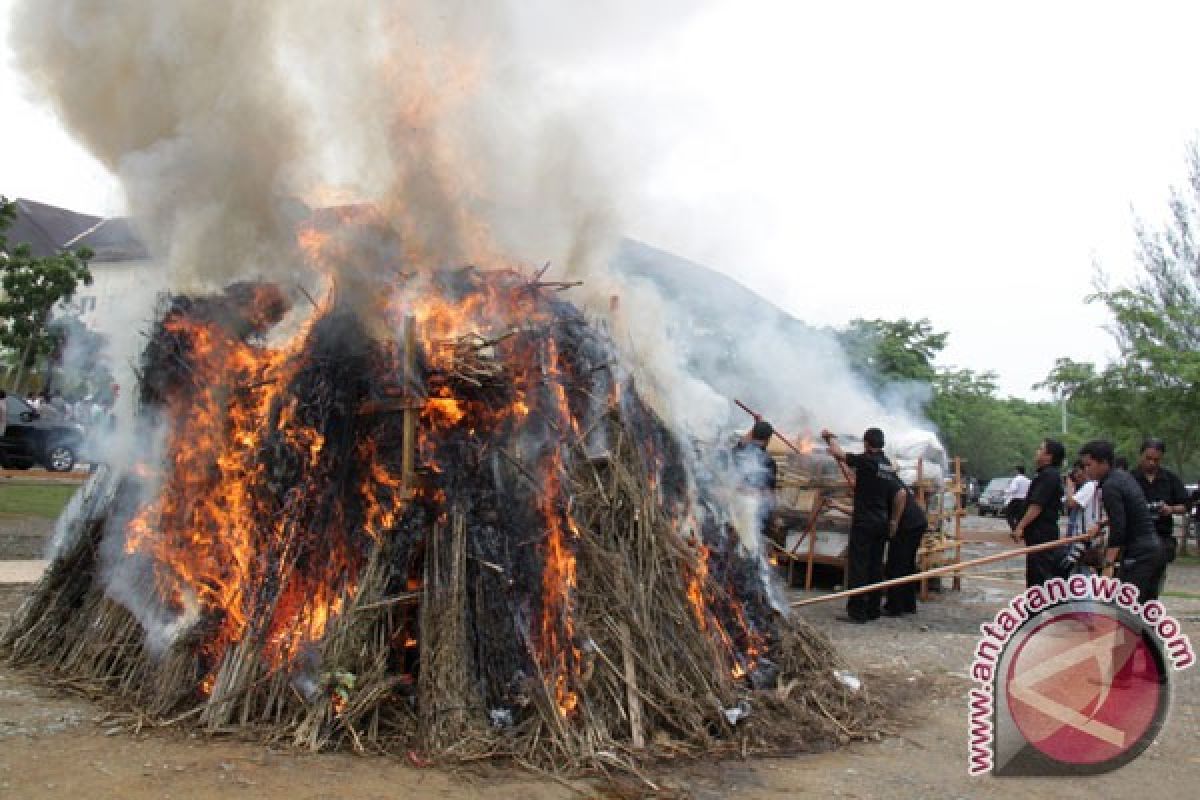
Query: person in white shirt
[[1083, 502], [1084, 509], [1014, 498]]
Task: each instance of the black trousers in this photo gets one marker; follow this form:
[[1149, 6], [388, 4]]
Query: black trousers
[[1144, 564], [1041, 567], [864, 567], [1013, 512], [901, 562], [1169, 550]]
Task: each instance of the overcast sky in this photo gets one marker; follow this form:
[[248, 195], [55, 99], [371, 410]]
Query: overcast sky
[[965, 162]]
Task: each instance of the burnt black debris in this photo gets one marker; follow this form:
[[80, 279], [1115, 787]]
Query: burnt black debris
[[554, 581]]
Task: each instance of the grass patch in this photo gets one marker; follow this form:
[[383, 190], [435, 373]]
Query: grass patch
[[1184, 595], [34, 500]]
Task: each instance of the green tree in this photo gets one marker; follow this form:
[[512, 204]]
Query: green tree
[[1150, 388], [887, 351], [32, 288], [990, 433]]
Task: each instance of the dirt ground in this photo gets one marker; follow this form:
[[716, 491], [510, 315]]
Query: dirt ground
[[54, 745]]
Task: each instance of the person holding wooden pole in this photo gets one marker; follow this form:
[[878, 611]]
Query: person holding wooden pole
[[758, 478], [1133, 544], [874, 485]]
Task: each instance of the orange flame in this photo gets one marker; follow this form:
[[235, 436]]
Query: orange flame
[[213, 533]]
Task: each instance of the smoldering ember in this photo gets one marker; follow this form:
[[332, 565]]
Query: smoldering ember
[[442, 521]]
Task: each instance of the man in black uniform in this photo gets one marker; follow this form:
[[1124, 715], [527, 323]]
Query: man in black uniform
[[906, 527], [754, 465], [1043, 504], [1131, 535], [757, 473], [1166, 496], [874, 485]]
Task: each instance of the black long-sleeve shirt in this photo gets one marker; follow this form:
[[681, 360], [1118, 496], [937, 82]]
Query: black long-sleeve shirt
[[1165, 488], [1045, 492], [755, 466], [1129, 523]]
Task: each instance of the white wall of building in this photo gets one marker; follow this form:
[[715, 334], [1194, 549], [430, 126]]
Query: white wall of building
[[120, 305]]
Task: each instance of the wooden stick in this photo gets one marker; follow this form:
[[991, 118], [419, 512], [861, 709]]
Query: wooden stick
[[636, 728], [409, 420], [957, 518], [841, 464], [946, 570], [758, 416], [307, 296]]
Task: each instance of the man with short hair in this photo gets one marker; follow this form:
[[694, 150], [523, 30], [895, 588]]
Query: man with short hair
[[1164, 494], [1083, 506], [754, 465], [1043, 504], [1132, 540], [1081, 501], [1014, 498], [874, 485], [757, 474]]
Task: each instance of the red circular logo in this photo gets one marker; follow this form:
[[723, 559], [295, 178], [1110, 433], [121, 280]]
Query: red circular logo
[[1084, 688]]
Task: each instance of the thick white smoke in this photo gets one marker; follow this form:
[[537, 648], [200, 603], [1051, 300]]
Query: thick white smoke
[[227, 121], [450, 115], [218, 115]]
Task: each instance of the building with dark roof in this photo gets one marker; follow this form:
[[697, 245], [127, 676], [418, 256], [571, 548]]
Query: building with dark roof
[[121, 265], [45, 228], [111, 239]]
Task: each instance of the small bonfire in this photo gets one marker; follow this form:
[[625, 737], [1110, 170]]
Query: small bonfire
[[450, 526]]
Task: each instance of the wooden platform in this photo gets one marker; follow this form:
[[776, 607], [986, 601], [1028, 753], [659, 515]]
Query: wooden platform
[[807, 527]]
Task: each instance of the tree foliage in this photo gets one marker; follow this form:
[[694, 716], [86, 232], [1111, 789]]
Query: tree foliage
[[32, 288], [1150, 389], [991, 434], [889, 351]]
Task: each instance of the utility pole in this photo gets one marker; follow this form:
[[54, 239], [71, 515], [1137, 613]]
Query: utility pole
[[1062, 402]]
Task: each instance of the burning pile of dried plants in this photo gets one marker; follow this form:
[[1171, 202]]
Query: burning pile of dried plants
[[451, 526]]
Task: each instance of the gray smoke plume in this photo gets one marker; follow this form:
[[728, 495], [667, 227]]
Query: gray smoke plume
[[217, 116], [227, 121], [448, 115], [185, 103]]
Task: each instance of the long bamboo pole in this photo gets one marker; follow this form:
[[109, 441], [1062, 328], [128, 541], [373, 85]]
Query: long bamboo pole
[[947, 569], [757, 416]]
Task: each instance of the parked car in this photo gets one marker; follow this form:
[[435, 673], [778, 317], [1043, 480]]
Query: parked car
[[36, 437], [991, 501]]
